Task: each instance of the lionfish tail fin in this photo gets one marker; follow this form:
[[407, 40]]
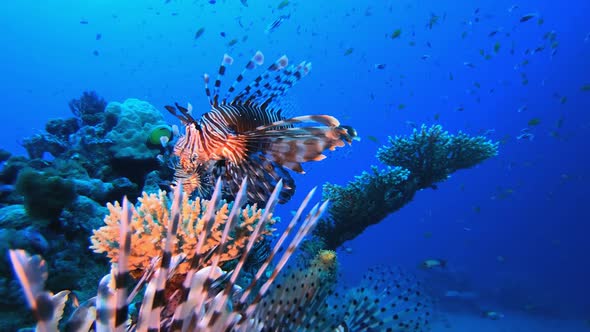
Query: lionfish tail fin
[[31, 272]]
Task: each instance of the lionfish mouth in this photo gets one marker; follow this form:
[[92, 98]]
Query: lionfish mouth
[[245, 134]]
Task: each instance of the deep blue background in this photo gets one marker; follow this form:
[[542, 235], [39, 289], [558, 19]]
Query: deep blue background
[[528, 205]]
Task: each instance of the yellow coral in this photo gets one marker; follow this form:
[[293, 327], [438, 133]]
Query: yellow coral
[[151, 218]]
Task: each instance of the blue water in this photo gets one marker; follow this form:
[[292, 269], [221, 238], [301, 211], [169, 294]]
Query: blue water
[[527, 205]]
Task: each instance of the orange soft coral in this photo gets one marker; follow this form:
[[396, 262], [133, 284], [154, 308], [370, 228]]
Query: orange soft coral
[[151, 218]]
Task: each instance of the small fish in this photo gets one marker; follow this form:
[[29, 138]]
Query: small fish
[[411, 124], [380, 66], [425, 57], [585, 88], [348, 51], [199, 33], [396, 33], [525, 135], [95, 52], [528, 17], [401, 106], [587, 38], [512, 8], [283, 4], [372, 138], [244, 2], [563, 99], [432, 21], [232, 42], [98, 36], [436, 116], [559, 122], [83, 22], [540, 21], [493, 315], [274, 25], [493, 33], [468, 64], [522, 108], [500, 258], [433, 263], [222, 34], [460, 109], [534, 122], [497, 47]]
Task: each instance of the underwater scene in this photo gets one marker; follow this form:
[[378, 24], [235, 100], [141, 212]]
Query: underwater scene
[[295, 165]]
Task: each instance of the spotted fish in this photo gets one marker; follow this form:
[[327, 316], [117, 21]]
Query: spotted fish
[[245, 134]]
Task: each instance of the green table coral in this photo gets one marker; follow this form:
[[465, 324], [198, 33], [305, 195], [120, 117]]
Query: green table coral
[[415, 162]]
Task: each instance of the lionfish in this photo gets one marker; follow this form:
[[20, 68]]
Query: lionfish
[[246, 135]]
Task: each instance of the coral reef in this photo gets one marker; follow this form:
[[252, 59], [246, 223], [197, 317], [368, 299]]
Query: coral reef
[[432, 154], [135, 120], [203, 301], [152, 218], [61, 198], [416, 162], [45, 195], [89, 108]]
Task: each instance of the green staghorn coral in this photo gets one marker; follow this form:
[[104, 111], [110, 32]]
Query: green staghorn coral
[[415, 162]]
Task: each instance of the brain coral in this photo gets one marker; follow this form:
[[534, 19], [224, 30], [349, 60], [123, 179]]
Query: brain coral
[[135, 120]]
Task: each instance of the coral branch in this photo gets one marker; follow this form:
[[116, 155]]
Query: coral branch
[[416, 162]]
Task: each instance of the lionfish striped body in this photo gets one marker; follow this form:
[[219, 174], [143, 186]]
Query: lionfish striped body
[[248, 136]]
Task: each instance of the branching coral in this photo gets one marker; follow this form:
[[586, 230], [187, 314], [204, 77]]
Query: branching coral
[[151, 219], [431, 154], [209, 299], [366, 200], [416, 162]]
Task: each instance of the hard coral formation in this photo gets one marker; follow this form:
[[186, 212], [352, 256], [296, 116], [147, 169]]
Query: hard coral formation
[[45, 195], [151, 219], [210, 299], [135, 121], [366, 200], [416, 162], [431, 154]]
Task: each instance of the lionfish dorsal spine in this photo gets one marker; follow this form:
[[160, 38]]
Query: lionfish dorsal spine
[[256, 60], [227, 61], [246, 95]]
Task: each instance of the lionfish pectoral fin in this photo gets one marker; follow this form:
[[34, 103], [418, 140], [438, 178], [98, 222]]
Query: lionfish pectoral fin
[[263, 175]]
